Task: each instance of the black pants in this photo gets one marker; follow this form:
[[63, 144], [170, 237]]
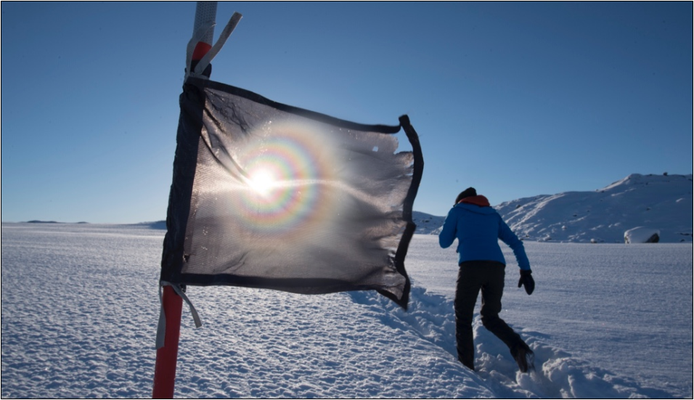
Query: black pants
[[473, 277]]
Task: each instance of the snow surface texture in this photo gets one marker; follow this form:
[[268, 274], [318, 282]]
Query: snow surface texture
[[80, 308], [654, 202]]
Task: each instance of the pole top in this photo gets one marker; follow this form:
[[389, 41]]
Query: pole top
[[205, 16]]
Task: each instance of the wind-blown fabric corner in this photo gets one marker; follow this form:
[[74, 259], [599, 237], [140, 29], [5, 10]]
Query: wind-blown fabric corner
[[267, 195]]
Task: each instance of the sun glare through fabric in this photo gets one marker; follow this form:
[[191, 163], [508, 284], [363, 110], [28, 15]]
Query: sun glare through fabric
[[290, 186], [262, 181]]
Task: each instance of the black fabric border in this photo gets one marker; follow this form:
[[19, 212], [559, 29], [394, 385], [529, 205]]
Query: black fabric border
[[191, 102], [408, 205], [387, 129], [294, 285]]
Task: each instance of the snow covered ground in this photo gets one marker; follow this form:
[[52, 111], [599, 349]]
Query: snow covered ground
[[80, 307]]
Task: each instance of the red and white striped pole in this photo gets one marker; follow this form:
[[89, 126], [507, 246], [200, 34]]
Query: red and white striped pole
[[205, 16], [165, 365]]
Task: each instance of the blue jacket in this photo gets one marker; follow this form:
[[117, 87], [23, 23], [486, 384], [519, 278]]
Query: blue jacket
[[478, 228]]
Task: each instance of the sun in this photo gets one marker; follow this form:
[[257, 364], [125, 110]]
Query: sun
[[262, 181]]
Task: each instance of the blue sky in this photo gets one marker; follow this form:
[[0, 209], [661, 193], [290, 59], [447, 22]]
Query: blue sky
[[516, 99]]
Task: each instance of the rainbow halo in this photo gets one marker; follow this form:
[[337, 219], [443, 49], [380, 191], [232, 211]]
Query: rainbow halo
[[288, 189]]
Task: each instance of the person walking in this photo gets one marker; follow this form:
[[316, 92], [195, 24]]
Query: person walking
[[478, 227]]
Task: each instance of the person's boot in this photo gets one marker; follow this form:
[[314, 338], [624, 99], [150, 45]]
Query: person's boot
[[523, 356], [466, 352], [465, 345]]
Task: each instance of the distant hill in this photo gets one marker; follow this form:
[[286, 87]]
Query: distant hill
[[154, 224], [36, 221], [658, 203], [427, 224]]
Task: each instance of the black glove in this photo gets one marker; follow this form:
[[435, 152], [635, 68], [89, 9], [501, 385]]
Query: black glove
[[526, 279]]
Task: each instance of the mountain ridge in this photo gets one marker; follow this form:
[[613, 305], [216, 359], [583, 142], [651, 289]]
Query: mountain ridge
[[661, 203]]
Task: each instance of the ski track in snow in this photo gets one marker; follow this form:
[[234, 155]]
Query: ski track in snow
[[80, 307]]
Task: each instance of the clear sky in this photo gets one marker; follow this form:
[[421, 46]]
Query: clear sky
[[516, 99]]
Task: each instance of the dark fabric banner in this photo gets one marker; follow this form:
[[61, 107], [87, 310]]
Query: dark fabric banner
[[266, 195]]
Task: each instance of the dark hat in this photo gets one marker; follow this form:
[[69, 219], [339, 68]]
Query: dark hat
[[466, 193]]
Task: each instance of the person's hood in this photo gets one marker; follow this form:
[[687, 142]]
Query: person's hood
[[476, 204], [476, 200]]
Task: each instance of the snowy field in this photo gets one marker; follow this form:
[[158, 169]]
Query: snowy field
[[80, 308]]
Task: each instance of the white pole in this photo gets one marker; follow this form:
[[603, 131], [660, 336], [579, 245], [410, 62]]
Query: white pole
[[205, 15]]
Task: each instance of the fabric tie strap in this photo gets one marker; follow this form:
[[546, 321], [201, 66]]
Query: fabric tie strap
[[161, 328], [207, 58]]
